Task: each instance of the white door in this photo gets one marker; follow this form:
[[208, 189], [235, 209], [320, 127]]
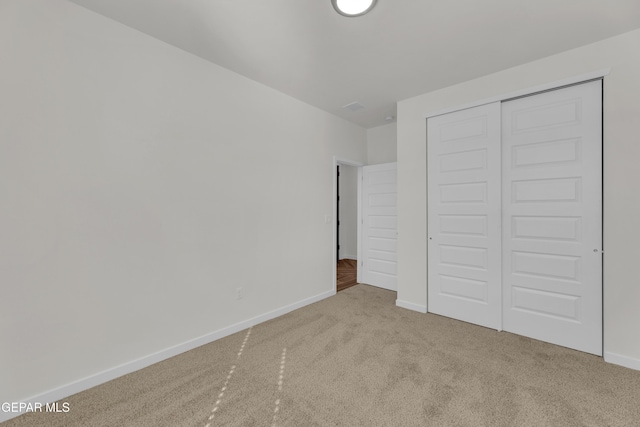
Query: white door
[[552, 224], [463, 151], [379, 225]]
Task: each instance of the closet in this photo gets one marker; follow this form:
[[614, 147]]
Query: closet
[[515, 216]]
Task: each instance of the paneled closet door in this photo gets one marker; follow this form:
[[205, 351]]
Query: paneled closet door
[[463, 150], [379, 225], [552, 223]]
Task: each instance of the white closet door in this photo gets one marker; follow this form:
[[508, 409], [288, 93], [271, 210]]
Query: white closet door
[[463, 150], [379, 225], [552, 224]]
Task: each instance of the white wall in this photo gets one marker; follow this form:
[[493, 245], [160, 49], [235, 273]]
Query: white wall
[[139, 187], [348, 212], [382, 144], [621, 176]]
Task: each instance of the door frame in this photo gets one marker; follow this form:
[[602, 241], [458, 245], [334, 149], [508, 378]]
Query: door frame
[[346, 162]]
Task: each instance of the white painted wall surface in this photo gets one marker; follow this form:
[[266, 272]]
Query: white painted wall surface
[[140, 186], [621, 176], [348, 212], [382, 144]]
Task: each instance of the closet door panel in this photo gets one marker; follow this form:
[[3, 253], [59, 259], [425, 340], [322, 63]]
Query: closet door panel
[[552, 223], [464, 187]]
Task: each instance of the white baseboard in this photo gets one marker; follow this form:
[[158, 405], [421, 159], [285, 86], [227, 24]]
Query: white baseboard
[[618, 359], [86, 383], [353, 257], [411, 306]]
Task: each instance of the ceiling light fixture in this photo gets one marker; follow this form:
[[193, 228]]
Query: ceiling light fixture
[[353, 8]]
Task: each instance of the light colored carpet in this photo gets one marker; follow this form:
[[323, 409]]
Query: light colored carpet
[[357, 360]]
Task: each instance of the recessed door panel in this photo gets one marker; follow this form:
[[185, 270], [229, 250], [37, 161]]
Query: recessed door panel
[[546, 153], [464, 256], [546, 190], [388, 222], [543, 265], [381, 200], [566, 112], [463, 193], [464, 161], [474, 291], [464, 225], [548, 305], [463, 129], [549, 228]]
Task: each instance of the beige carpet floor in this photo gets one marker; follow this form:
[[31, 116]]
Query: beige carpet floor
[[357, 360]]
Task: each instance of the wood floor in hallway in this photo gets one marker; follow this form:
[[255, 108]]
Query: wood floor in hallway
[[347, 273]]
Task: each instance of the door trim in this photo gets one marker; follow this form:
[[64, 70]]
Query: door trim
[[343, 161]]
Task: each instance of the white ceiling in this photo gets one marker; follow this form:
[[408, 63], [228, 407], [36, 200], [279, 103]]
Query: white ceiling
[[401, 49]]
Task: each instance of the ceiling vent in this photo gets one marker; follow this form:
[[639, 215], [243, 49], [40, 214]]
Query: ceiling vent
[[354, 106]]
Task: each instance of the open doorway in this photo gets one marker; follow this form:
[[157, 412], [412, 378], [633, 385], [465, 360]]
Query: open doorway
[[375, 223], [346, 227]]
